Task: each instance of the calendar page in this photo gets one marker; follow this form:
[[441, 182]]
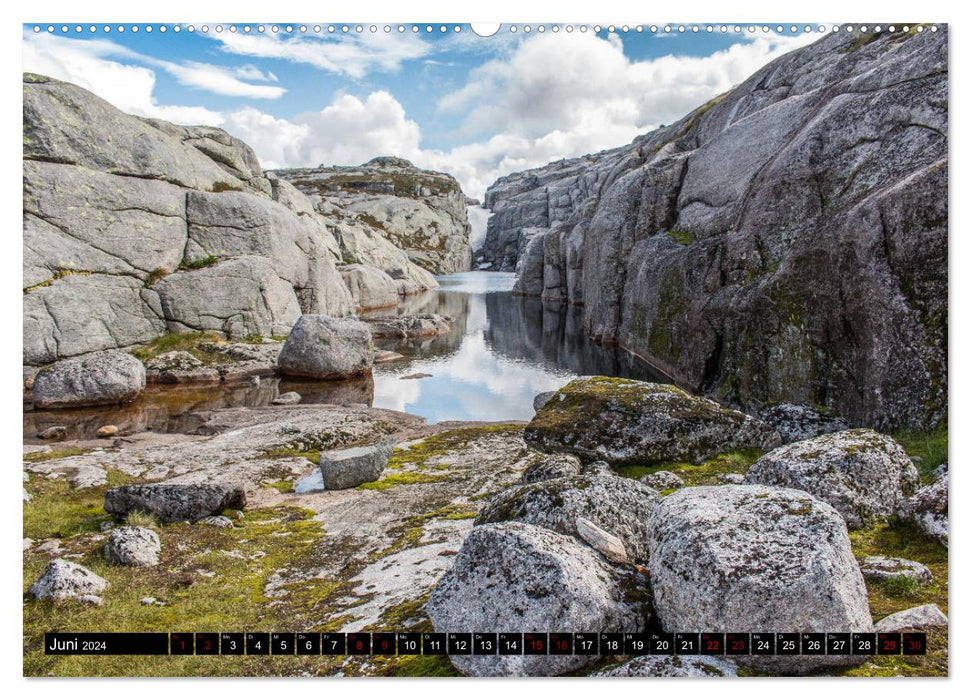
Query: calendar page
[[449, 349]]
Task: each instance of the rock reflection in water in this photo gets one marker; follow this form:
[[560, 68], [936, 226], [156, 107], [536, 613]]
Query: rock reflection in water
[[179, 408], [502, 351]]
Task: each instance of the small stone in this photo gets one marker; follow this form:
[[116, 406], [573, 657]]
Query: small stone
[[28, 543], [55, 432], [663, 481], [106, 525], [217, 521], [149, 601], [288, 399], [92, 599], [921, 617], [542, 398], [133, 546], [602, 541], [345, 469], [63, 580], [893, 569], [51, 547], [27, 497], [731, 478], [106, 431], [598, 467], [927, 510]]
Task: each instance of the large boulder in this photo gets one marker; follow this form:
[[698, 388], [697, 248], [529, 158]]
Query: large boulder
[[667, 666], [175, 502], [320, 347], [370, 287], [179, 367], [98, 379], [345, 469], [621, 506], [64, 579], [796, 422], [520, 577], [133, 546], [624, 421], [927, 510], [729, 558], [861, 473], [410, 327]]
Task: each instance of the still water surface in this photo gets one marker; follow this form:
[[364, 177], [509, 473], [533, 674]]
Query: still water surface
[[501, 352]]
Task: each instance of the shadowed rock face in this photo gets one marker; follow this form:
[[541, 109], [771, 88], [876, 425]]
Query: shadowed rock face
[[786, 241]]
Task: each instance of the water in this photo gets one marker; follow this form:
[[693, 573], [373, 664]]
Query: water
[[501, 352]]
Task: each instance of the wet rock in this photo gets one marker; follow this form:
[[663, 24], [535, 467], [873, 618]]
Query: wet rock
[[894, 569], [107, 431], [289, 398], [98, 379], [320, 347], [602, 541], [755, 557], [179, 367], [919, 618], [55, 432], [861, 473], [370, 287], [409, 327], [548, 467], [345, 469], [796, 422], [616, 504], [662, 481], [133, 546], [175, 502], [523, 577], [542, 398], [927, 510], [217, 521], [63, 580], [623, 421], [673, 667]]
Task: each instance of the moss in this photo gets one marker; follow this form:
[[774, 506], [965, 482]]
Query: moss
[[704, 474], [282, 486], [198, 263], [663, 341], [35, 457], [681, 237], [402, 478], [225, 187], [188, 342], [58, 274]]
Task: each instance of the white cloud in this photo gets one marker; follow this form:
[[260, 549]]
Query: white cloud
[[251, 72], [218, 80], [354, 55]]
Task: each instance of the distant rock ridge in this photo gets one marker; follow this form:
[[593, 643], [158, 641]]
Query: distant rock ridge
[[137, 227], [785, 242]]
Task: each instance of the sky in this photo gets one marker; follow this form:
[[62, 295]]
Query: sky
[[477, 108]]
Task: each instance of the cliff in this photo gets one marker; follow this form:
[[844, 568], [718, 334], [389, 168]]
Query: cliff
[[136, 227], [786, 241]]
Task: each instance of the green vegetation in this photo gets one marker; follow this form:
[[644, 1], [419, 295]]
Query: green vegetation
[[155, 275], [681, 237], [198, 263], [191, 343], [282, 486], [400, 478], [703, 474], [225, 187], [59, 510], [34, 457], [138, 518], [929, 446], [58, 274]]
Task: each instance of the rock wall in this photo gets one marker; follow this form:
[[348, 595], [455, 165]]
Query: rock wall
[[137, 227], [420, 212], [786, 241]]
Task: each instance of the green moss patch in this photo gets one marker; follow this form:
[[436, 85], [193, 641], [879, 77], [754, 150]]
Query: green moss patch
[[198, 263], [188, 342], [704, 474], [35, 457]]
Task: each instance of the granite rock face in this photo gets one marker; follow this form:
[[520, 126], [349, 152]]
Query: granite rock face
[[175, 502], [523, 577], [616, 504], [133, 546], [548, 467], [668, 666], [320, 347], [795, 422], [755, 557], [370, 287], [861, 473], [927, 510], [420, 212], [624, 421], [137, 227], [345, 469], [64, 579], [784, 242], [98, 379]]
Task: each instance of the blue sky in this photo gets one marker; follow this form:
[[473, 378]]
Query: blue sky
[[476, 107]]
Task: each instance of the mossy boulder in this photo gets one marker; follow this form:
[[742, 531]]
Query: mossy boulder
[[861, 473], [623, 421]]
